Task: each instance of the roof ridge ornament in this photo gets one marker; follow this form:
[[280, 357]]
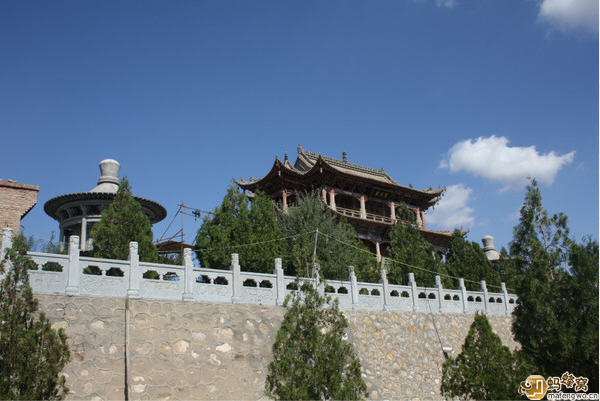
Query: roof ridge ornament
[[109, 176]]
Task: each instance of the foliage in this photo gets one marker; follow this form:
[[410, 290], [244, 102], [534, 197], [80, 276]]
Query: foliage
[[507, 270], [37, 245], [311, 360], [556, 318], [170, 259], [583, 304], [466, 259], [408, 246], [333, 256], [122, 222], [237, 221], [485, 369], [32, 354]]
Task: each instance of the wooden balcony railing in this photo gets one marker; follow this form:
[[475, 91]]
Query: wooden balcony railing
[[369, 216]]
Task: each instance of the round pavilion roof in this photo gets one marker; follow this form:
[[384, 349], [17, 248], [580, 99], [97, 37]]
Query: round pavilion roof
[[107, 187]]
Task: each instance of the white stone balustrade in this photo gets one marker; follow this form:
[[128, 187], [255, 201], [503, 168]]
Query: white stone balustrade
[[73, 274]]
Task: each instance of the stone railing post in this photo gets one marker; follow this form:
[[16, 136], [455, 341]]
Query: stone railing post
[[6, 241], [279, 282], [413, 290], [188, 275], [73, 270], [134, 271], [353, 288], [505, 295], [485, 295], [438, 285], [386, 290], [236, 279], [463, 290]]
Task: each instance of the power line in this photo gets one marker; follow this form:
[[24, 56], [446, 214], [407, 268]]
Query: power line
[[347, 244], [406, 264], [254, 243]]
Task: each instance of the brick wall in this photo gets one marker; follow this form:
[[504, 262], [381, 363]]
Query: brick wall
[[16, 200]]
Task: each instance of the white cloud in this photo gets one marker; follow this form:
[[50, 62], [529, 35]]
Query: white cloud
[[438, 3], [493, 159], [570, 14], [453, 211], [446, 3]]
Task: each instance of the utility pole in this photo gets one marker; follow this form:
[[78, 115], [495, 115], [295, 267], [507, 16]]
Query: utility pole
[[314, 261]]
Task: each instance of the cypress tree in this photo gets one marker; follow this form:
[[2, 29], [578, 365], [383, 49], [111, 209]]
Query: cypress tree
[[466, 259], [311, 360], [32, 354], [485, 369], [239, 221], [122, 222], [408, 246], [333, 256], [556, 318]]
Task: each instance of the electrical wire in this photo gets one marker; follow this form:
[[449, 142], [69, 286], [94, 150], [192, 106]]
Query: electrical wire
[[255, 243], [344, 243], [406, 264]]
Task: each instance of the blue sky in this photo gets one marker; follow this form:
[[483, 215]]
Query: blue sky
[[468, 95]]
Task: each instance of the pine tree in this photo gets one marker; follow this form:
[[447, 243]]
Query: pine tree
[[337, 245], [32, 354], [507, 270], [122, 222], [237, 221], [556, 318], [583, 310], [485, 369], [311, 360], [466, 259], [409, 247]]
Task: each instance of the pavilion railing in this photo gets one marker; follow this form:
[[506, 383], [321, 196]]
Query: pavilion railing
[[73, 274], [368, 216]]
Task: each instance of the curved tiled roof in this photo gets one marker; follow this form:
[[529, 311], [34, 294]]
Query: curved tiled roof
[[52, 206], [307, 162], [308, 159]]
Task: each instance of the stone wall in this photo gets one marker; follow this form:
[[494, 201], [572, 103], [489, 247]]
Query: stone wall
[[16, 200], [192, 350]]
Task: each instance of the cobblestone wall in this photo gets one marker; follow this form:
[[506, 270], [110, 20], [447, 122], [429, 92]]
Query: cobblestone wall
[[190, 350]]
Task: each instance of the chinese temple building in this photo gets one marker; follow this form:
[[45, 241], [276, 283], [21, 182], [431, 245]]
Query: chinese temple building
[[77, 212], [367, 197]]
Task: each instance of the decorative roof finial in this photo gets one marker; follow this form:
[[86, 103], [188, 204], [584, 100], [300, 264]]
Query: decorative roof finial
[[109, 176], [345, 157], [285, 157], [299, 149]]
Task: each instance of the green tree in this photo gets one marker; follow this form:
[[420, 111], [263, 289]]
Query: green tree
[[39, 245], [32, 354], [485, 369], [583, 303], [239, 221], [311, 360], [409, 247], [337, 245], [122, 222], [556, 318], [466, 259], [507, 270]]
